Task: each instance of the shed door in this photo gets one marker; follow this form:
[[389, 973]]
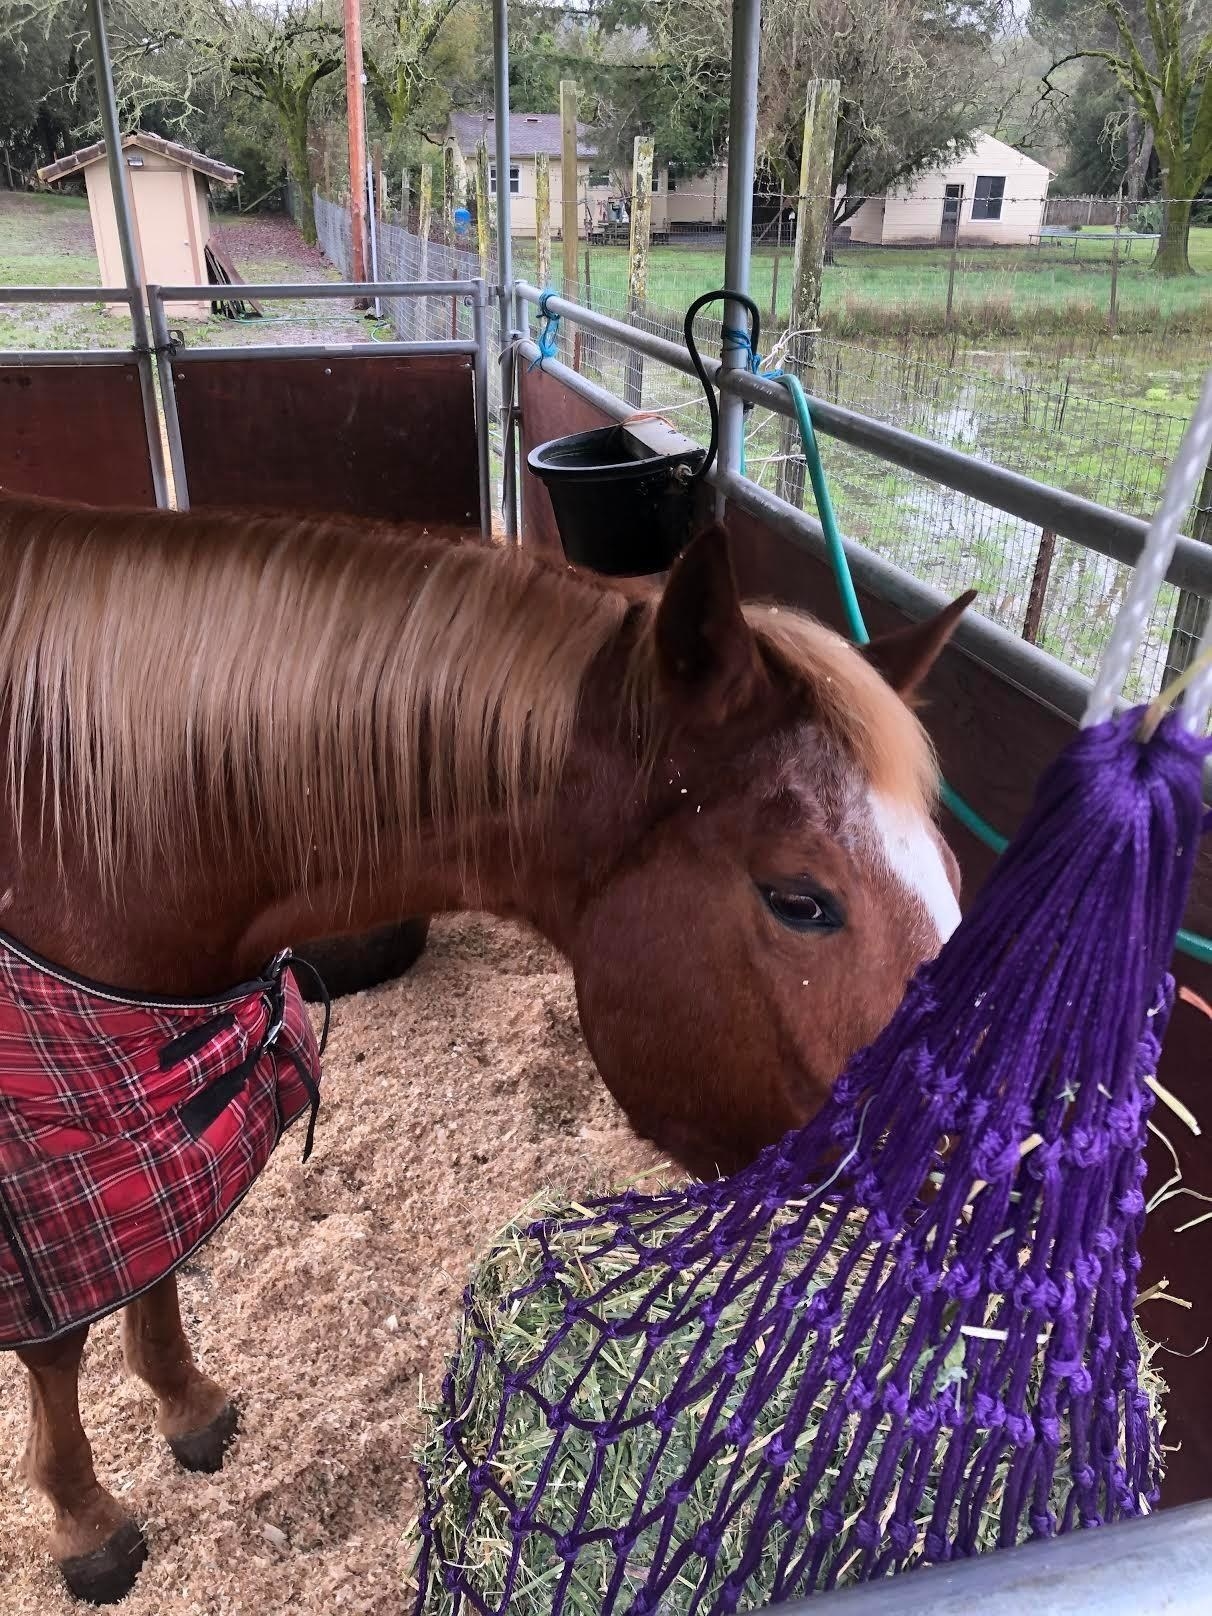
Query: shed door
[[164, 227], [953, 195]]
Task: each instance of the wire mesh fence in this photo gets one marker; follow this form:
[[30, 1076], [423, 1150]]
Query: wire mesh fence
[[925, 264], [1048, 589]]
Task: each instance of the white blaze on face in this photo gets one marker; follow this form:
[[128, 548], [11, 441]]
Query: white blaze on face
[[913, 857]]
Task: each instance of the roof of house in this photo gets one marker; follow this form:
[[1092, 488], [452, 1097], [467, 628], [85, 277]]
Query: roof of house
[[87, 155], [529, 133]]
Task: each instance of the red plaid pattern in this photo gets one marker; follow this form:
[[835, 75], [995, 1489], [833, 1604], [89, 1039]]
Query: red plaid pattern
[[129, 1128]]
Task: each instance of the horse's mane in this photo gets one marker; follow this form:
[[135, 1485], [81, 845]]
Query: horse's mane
[[299, 671]]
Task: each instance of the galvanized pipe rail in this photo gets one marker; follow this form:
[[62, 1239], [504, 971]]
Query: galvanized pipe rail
[[1016, 660], [169, 354], [64, 294], [1097, 527], [1062, 687], [128, 242], [1158, 1566]]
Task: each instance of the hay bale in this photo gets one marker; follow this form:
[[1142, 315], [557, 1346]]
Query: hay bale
[[517, 1300]]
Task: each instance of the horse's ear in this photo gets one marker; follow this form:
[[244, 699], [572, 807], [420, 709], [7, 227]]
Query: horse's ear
[[907, 655], [706, 652]]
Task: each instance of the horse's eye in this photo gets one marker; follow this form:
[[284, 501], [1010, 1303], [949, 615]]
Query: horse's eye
[[801, 911]]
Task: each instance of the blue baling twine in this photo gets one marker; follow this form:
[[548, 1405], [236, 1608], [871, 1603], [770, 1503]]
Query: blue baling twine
[[733, 341], [550, 334]]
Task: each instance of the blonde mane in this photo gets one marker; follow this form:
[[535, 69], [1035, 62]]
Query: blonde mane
[[288, 677]]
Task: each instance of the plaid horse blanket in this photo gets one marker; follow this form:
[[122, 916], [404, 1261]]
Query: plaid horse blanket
[[130, 1127]]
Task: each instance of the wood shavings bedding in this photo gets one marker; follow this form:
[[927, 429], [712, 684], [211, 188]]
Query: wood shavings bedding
[[328, 1301]]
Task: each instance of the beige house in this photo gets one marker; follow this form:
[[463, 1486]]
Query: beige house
[[170, 201], [992, 195], [678, 202]]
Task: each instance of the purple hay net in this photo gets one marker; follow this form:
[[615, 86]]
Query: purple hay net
[[990, 1145]]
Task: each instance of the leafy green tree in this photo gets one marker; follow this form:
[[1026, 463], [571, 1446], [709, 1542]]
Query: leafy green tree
[[1159, 54], [39, 114]]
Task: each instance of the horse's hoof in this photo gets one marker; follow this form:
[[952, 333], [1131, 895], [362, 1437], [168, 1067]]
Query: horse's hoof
[[107, 1574], [204, 1450]]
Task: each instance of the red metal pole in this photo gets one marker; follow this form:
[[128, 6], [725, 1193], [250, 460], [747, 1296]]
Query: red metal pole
[[356, 105]]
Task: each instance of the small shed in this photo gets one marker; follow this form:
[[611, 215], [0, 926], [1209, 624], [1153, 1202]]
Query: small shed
[[991, 194], [170, 200]]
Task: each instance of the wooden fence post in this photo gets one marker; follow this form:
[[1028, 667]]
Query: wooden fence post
[[569, 168], [542, 219], [423, 224], [637, 258], [774, 272], [450, 197], [376, 160], [813, 218], [484, 208], [405, 196], [1038, 594], [951, 268], [448, 191], [1191, 613], [1113, 310]]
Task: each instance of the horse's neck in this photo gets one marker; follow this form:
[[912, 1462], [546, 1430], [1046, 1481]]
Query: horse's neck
[[220, 915]]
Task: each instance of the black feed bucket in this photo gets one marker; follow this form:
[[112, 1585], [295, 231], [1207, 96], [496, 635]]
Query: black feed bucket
[[621, 509]]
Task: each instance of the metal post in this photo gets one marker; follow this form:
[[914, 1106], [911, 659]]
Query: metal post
[[372, 218], [168, 392], [738, 237], [500, 67], [480, 330], [132, 264]]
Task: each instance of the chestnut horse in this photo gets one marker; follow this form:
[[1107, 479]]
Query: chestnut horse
[[225, 734]]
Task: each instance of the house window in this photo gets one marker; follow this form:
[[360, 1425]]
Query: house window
[[673, 181], [515, 179], [987, 202], [599, 179], [656, 181]]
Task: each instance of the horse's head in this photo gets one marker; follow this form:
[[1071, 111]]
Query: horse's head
[[788, 881]]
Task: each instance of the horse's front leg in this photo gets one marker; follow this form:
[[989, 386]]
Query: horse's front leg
[[96, 1544], [194, 1413]]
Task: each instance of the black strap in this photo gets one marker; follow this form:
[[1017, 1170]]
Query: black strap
[[300, 1065], [318, 983]]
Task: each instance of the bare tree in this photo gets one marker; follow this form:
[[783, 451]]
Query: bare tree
[[170, 54]]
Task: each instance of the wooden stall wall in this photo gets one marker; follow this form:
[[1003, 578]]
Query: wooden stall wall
[[75, 432], [993, 741], [388, 436]]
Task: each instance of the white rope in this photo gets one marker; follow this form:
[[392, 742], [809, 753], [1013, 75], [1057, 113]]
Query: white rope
[[1177, 494]]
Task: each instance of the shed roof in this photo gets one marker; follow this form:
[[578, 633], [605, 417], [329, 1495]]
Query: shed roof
[[529, 133], [87, 155]]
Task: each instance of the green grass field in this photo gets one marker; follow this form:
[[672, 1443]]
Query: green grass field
[[896, 291]]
